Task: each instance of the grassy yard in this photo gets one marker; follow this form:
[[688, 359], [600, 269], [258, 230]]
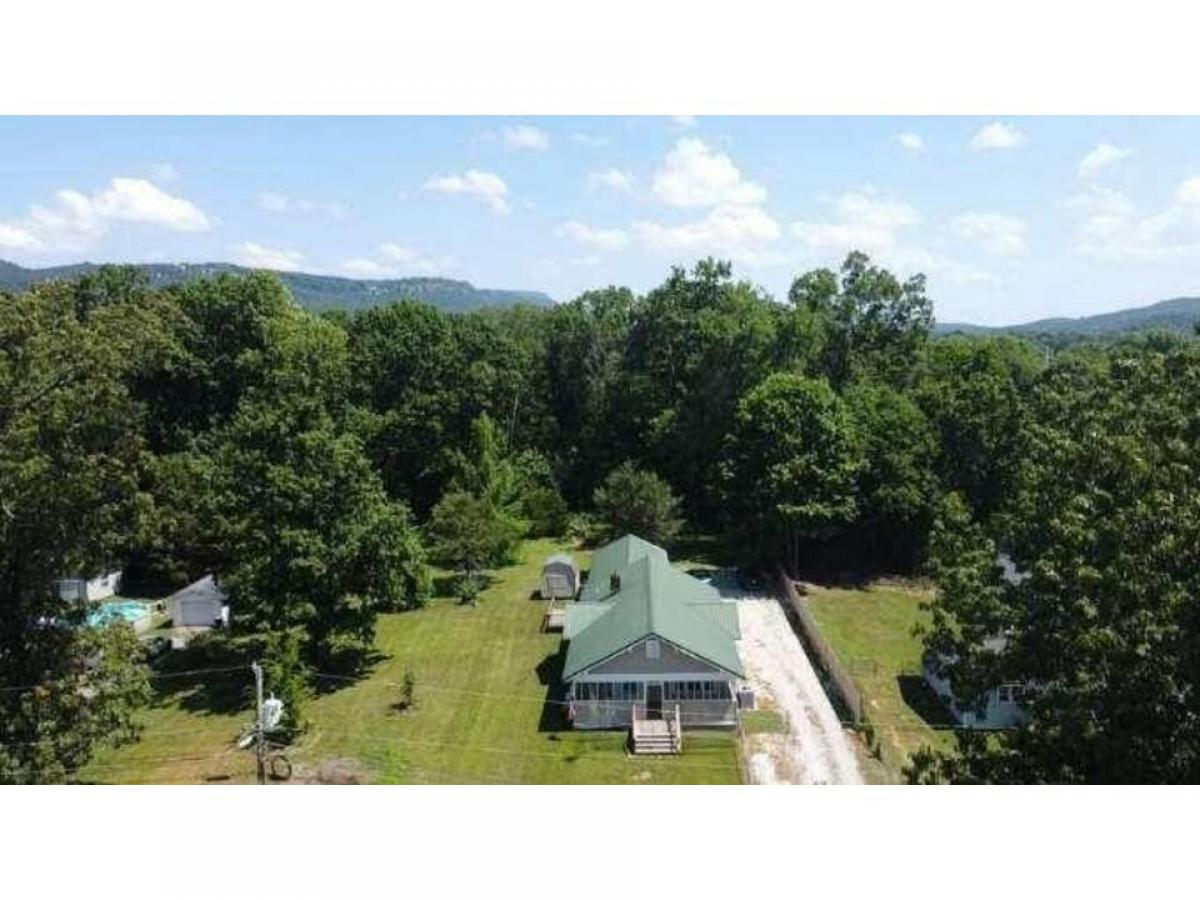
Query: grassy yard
[[871, 630], [483, 678]]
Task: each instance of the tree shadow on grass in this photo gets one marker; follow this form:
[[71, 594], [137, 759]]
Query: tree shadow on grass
[[207, 677], [924, 701], [554, 709], [347, 666]]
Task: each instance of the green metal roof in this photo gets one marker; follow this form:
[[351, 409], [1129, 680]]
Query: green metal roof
[[654, 599], [723, 614], [610, 559], [580, 616]]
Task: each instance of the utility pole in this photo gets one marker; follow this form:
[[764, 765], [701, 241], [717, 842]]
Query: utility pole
[[259, 733]]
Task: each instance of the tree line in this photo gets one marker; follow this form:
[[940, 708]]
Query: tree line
[[320, 462]]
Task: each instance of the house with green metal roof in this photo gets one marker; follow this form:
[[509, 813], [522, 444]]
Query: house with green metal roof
[[650, 643], [609, 560]]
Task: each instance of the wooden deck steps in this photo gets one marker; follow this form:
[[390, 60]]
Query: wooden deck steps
[[656, 736]]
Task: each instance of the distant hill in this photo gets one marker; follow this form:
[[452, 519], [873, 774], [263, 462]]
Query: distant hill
[[312, 291], [1179, 314]]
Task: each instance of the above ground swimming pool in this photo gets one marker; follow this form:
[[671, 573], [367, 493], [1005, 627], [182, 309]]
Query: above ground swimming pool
[[136, 614]]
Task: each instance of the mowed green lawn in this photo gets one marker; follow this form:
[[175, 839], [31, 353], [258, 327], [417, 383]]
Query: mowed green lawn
[[872, 632], [483, 679]]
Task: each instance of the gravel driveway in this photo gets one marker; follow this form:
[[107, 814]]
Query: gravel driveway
[[815, 750]]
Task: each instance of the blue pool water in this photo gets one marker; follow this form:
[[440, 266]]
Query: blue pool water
[[117, 610]]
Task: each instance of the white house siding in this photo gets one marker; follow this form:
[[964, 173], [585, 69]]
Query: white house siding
[[1002, 710], [89, 590]]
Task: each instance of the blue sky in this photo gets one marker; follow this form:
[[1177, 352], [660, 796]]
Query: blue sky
[[1010, 218]]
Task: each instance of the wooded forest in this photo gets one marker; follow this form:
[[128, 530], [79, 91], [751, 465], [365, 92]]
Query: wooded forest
[[321, 462]]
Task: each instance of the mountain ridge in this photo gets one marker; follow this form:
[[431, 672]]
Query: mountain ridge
[[317, 292], [1176, 314]]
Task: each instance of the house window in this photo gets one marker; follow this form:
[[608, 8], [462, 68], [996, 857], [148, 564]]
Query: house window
[[631, 691], [652, 648]]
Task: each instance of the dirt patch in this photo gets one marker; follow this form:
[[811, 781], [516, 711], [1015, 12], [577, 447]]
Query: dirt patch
[[331, 771], [815, 749]]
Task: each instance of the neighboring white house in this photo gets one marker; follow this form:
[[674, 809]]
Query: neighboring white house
[[560, 577], [1002, 706], [199, 605], [89, 590]]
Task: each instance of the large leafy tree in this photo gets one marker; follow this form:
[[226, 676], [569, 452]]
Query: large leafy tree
[[697, 343], [70, 455], [636, 501], [312, 538], [406, 386], [792, 463], [973, 391], [897, 485], [1105, 521], [874, 325], [585, 346]]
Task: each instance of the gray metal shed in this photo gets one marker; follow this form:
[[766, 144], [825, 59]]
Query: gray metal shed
[[560, 577]]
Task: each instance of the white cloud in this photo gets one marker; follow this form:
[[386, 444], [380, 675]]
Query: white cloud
[[395, 260], [684, 122], [611, 178], [997, 136], [1101, 157], [599, 238], [1189, 191], [138, 200], [272, 202], [15, 237], [694, 175], [258, 256], [861, 220], [76, 220], [484, 186], [910, 141], [741, 233], [592, 141], [1110, 226], [362, 267], [1001, 234], [909, 260], [525, 137]]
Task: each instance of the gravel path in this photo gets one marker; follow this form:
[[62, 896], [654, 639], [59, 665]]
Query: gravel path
[[815, 750]]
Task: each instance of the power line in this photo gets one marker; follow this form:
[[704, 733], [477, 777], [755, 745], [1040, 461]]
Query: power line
[[152, 676]]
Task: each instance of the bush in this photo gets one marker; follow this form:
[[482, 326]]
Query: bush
[[636, 501], [546, 511]]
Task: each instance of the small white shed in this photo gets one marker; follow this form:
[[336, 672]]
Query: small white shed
[[89, 590], [560, 577], [201, 603]]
